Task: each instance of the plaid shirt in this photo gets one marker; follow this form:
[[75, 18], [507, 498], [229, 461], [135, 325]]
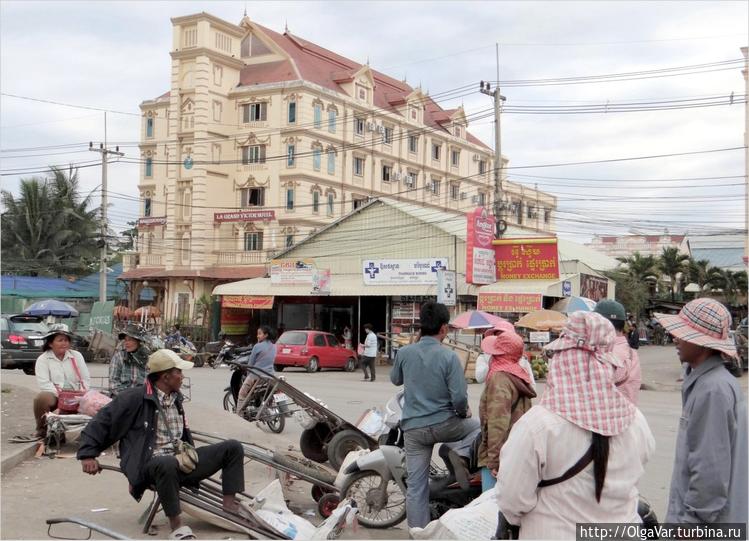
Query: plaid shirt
[[127, 369], [166, 433]]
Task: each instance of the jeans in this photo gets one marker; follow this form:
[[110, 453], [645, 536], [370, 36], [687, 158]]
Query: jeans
[[164, 473], [488, 481], [419, 444], [368, 362]]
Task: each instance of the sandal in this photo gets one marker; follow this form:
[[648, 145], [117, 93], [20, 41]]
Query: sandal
[[29, 438], [183, 532]]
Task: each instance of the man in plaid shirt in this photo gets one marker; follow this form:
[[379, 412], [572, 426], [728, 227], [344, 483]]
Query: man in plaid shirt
[[128, 367]]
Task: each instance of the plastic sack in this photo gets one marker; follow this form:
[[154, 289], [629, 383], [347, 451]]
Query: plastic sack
[[476, 521], [92, 402], [274, 511], [482, 367]]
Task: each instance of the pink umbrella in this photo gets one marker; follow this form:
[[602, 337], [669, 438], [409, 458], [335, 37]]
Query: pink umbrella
[[475, 319]]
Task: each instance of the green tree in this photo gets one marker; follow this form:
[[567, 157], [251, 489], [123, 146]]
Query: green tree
[[632, 292], [672, 263], [698, 272], [640, 268], [732, 283], [49, 228]]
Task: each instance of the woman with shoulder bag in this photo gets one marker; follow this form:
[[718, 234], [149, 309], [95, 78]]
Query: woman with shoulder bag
[[61, 373]]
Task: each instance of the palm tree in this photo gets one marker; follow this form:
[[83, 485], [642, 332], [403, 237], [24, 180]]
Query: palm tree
[[49, 229], [671, 263], [732, 283], [698, 272], [640, 268]]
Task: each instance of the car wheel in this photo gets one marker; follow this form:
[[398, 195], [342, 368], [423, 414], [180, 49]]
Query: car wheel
[[313, 365], [29, 370], [278, 367], [350, 365]]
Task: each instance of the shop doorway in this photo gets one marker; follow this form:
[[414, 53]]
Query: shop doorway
[[374, 311]]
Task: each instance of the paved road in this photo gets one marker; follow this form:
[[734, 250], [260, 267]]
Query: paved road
[[34, 490]]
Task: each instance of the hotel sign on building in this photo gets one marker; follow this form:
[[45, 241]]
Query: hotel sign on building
[[245, 216]]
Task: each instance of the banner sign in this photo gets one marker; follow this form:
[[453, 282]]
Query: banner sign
[[321, 282], [510, 302], [446, 287], [539, 337], [101, 316], [244, 216], [480, 265], [248, 302], [402, 271], [527, 258], [291, 271], [593, 287], [151, 220], [234, 321]]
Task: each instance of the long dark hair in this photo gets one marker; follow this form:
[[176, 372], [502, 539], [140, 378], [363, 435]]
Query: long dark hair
[[600, 447], [267, 332]]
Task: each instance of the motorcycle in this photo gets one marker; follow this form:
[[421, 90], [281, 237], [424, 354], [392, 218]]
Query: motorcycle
[[264, 406], [183, 347], [377, 480]]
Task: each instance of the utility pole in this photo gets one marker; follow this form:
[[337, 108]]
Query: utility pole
[[104, 151], [485, 88]]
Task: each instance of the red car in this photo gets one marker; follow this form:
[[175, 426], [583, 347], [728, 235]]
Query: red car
[[314, 350]]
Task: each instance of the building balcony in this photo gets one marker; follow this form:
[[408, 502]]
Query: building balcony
[[131, 260], [232, 258]]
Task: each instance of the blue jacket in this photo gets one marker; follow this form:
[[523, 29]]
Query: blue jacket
[[434, 384]]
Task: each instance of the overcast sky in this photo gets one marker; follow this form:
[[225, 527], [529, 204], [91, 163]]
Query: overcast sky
[[113, 55]]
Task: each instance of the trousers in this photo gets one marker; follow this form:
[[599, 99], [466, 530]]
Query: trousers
[[368, 362], [419, 445], [163, 472], [44, 402]]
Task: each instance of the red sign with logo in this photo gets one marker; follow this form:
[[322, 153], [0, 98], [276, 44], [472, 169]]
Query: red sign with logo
[[479, 250], [245, 216], [509, 302], [250, 302], [534, 258], [151, 220]]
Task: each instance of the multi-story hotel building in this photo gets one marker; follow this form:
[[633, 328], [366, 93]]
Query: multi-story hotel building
[[264, 138]]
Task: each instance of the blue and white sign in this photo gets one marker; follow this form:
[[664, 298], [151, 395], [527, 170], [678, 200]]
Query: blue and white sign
[[446, 287], [567, 288], [376, 272], [188, 162]]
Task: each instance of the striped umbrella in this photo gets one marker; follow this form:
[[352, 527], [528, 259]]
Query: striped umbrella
[[574, 304], [475, 319]]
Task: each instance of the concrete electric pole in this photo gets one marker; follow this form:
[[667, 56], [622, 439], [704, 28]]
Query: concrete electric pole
[[485, 88], [104, 225]]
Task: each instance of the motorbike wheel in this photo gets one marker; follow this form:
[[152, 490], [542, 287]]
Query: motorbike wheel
[[229, 403], [198, 361], [299, 463], [363, 488], [276, 423], [350, 365], [342, 444], [312, 442], [327, 504]]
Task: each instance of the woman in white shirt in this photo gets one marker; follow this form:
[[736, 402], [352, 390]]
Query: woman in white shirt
[[59, 367], [583, 429], [370, 353]]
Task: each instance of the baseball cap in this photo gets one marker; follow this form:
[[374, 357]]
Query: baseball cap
[[166, 359], [611, 310]]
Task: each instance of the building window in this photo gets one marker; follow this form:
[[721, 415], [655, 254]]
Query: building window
[[413, 144], [292, 112], [357, 202], [253, 242], [316, 158], [436, 151], [387, 136], [330, 204], [318, 115], [332, 120], [147, 206], [290, 155], [289, 241], [410, 179], [361, 93], [547, 215], [455, 192], [482, 167], [458, 132], [455, 158], [358, 166], [185, 249], [289, 198], [149, 127], [253, 154], [387, 172], [252, 197], [254, 112], [315, 201], [359, 126], [149, 167], [435, 187], [414, 114], [331, 162], [482, 199]]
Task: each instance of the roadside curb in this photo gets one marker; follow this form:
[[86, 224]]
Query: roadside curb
[[24, 452]]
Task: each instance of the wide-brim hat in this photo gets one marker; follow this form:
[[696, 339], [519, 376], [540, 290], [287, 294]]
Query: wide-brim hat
[[166, 359], [704, 322], [133, 331], [59, 328], [499, 328], [589, 331], [506, 344]]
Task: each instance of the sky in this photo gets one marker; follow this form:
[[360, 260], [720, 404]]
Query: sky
[[113, 55]]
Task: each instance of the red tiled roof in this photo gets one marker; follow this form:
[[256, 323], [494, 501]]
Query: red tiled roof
[[218, 273]]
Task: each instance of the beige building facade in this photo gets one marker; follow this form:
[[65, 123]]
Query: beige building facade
[[264, 138]]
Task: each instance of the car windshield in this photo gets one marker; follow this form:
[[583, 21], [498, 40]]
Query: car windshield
[[293, 339], [22, 324]]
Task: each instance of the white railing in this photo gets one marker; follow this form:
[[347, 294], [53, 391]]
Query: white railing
[[151, 260], [242, 258]]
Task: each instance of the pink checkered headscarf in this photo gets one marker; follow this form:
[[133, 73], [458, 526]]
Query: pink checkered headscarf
[[580, 385]]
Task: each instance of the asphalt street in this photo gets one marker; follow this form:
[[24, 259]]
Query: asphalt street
[[40, 488]]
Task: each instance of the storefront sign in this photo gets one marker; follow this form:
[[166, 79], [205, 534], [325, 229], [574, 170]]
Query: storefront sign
[[539, 337], [248, 302], [101, 316], [321, 281], [291, 271], [480, 266], [527, 258], [245, 216], [402, 271], [593, 287], [234, 321], [151, 220], [509, 302], [446, 287]]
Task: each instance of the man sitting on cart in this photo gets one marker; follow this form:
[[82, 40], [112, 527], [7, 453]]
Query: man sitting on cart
[[150, 424], [129, 365]]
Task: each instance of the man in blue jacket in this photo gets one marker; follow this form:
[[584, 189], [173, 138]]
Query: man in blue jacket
[[435, 404], [149, 421]]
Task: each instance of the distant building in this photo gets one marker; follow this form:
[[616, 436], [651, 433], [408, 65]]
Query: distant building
[[723, 251], [626, 245]]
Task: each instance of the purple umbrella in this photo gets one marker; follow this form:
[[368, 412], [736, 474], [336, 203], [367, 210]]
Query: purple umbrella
[[51, 307], [475, 319]]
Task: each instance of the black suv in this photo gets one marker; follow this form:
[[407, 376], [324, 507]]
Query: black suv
[[21, 341]]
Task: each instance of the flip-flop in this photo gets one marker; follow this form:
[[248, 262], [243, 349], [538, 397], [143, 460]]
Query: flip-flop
[[183, 532], [30, 438]]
